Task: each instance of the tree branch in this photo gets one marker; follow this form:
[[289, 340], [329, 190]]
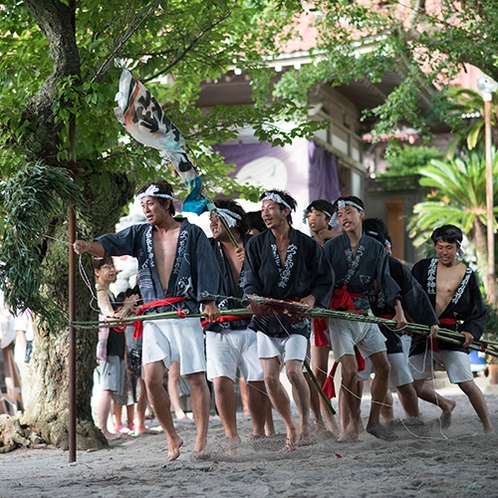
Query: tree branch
[[134, 25], [189, 47]]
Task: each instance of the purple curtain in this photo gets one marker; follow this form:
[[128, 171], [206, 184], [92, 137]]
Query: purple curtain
[[324, 178]]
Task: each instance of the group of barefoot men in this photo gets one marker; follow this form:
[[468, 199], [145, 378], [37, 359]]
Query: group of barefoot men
[[179, 268]]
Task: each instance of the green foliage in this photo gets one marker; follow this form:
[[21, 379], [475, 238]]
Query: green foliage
[[34, 198], [455, 105], [459, 197], [427, 43], [185, 41], [407, 160]]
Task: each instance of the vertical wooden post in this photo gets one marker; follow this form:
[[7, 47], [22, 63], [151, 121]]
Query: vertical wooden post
[[72, 282], [489, 206]]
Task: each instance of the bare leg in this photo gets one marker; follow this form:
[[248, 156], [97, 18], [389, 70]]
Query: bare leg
[[244, 396], [409, 400], [477, 400], [226, 403], [349, 399], [200, 400], [118, 415], [153, 376], [379, 387], [103, 410], [173, 377], [386, 410], [300, 393], [130, 416], [258, 405], [426, 392], [319, 362], [279, 398], [141, 408], [269, 426]]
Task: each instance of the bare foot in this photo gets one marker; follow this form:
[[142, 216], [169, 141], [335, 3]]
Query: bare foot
[[347, 438], [289, 445], [382, 432], [111, 436], [304, 440], [200, 444], [231, 445], [145, 430], [201, 455], [174, 448], [332, 425], [290, 442], [445, 417], [489, 429]]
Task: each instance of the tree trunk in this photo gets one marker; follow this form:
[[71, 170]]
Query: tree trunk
[[48, 408], [478, 237]]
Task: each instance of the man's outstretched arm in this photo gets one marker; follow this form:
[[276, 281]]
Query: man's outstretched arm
[[95, 248]]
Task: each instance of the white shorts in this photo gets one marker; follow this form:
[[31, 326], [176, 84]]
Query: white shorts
[[293, 347], [226, 352], [170, 340], [400, 371], [345, 335], [456, 364]]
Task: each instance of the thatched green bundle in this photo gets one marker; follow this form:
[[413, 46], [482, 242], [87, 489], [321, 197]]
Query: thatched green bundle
[[35, 200]]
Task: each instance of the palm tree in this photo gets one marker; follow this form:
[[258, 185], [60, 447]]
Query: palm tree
[[460, 199], [463, 110]]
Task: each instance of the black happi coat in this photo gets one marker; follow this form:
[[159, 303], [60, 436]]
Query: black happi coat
[[194, 271], [466, 306], [229, 288], [359, 273], [414, 300], [304, 272]]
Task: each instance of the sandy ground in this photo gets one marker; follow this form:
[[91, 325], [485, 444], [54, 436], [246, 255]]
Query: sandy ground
[[458, 461]]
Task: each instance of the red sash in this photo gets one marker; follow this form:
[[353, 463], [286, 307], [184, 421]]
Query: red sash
[[223, 318], [139, 325], [433, 345], [341, 300]]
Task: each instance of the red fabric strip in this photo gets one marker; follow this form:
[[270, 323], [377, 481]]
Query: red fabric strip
[[433, 345], [138, 324], [360, 361], [320, 326], [343, 300], [223, 318], [328, 386]]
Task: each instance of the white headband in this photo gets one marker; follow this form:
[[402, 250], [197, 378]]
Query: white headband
[[313, 208], [152, 191], [387, 244], [272, 196], [229, 216], [461, 252], [340, 205]]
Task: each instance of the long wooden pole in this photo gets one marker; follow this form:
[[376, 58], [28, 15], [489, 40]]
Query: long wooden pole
[[72, 283], [491, 287]]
